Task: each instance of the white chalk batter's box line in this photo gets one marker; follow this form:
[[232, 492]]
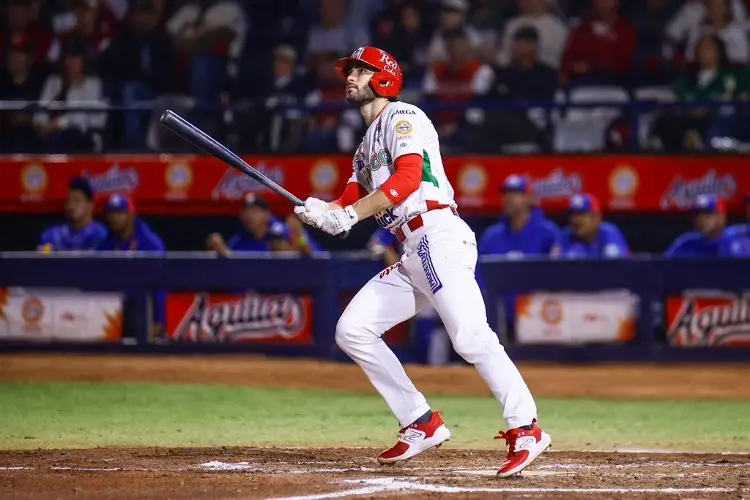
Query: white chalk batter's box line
[[415, 485], [406, 485]]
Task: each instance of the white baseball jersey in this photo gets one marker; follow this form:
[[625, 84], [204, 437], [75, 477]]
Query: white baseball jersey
[[402, 129]]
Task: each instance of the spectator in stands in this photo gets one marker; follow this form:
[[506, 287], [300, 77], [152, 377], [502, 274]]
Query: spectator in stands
[[488, 17], [69, 130], [453, 18], [654, 60], [81, 231], [524, 78], [523, 230], [18, 82], [690, 16], [333, 34], [139, 64], [210, 36], [324, 125], [552, 32], [383, 244], [108, 15], [281, 130], [89, 24], [713, 81], [720, 21], [461, 79], [406, 38], [711, 238], [260, 231], [588, 236], [20, 29], [602, 48]]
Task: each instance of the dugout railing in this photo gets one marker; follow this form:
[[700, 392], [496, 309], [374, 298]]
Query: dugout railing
[[327, 279]]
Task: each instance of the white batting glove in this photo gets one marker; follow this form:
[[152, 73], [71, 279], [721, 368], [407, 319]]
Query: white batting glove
[[311, 211], [309, 218], [316, 205], [338, 221]]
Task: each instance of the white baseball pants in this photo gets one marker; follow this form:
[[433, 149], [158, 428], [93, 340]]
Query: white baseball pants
[[437, 268]]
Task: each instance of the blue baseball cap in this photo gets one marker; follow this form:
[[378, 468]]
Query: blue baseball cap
[[83, 185], [120, 203], [584, 203], [254, 200], [709, 203], [516, 184]]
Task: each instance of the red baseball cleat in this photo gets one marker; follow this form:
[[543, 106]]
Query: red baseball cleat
[[417, 438], [524, 445]]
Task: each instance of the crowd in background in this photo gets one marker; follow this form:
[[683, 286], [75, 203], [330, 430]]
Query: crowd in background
[[249, 72]]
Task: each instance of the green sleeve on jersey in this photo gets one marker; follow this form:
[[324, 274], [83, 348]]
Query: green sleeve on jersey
[[427, 171]]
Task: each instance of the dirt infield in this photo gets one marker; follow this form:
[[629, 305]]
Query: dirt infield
[[726, 382], [245, 473]]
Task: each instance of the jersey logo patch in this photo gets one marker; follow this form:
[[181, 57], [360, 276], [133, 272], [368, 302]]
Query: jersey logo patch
[[382, 157], [386, 218], [403, 127], [423, 251]]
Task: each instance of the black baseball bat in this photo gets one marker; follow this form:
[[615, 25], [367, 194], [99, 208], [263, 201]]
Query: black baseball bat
[[198, 138], [202, 140]]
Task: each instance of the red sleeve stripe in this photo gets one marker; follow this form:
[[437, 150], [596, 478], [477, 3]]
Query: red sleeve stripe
[[406, 180], [352, 193]]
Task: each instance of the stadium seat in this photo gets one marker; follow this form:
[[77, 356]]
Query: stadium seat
[[583, 129], [645, 119]]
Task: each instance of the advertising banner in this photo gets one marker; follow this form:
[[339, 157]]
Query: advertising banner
[[708, 319], [576, 318], [166, 184], [39, 315], [233, 318]]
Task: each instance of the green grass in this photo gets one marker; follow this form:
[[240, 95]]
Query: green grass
[[82, 415]]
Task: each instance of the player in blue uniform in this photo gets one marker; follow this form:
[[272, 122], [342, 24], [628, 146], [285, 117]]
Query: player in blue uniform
[[128, 233], [81, 231], [711, 238], [383, 244], [588, 236], [742, 230], [260, 231], [523, 229]]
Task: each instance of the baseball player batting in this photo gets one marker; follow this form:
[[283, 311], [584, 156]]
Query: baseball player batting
[[399, 179]]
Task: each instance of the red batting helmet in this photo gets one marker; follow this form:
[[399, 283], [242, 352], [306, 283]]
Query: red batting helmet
[[387, 80]]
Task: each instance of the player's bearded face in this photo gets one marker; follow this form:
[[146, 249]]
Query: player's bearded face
[[358, 89]]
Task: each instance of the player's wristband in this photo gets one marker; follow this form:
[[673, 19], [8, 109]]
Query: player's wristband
[[353, 217]]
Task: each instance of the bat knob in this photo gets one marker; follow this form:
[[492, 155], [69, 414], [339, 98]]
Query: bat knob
[[165, 116]]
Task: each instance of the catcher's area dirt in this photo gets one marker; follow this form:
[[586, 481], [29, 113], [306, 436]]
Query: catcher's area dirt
[[337, 473]]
